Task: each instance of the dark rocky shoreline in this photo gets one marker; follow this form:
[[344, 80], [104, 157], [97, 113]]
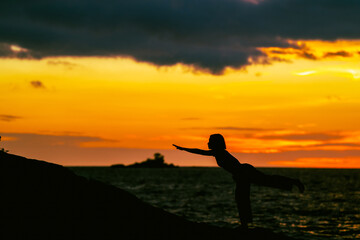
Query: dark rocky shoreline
[[41, 200]]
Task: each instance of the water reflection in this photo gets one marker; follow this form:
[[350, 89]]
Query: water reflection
[[329, 208]]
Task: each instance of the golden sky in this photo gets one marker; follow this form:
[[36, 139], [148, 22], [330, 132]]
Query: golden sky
[[301, 109]]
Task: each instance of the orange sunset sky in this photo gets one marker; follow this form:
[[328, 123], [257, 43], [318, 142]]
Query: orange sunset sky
[[287, 107]]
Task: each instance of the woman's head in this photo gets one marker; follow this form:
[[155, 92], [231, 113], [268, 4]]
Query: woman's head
[[216, 141]]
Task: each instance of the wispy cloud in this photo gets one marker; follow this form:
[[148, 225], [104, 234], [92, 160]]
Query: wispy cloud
[[341, 53], [321, 162], [8, 118], [66, 64], [191, 119], [55, 140], [304, 136], [37, 84], [69, 150], [244, 129], [232, 128], [291, 141], [306, 52]]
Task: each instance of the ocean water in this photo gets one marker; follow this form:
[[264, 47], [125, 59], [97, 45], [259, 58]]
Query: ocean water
[[328, 209]]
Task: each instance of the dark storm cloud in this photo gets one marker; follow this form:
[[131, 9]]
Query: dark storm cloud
[[207, 34]]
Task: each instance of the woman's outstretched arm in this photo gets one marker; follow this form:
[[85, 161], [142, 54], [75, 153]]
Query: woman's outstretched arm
[[195, 150]]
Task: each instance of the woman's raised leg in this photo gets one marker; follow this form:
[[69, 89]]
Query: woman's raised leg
[[275, 181]]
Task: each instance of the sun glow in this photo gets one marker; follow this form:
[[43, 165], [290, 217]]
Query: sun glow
[[286, 107], [306, 73], [16, 48]]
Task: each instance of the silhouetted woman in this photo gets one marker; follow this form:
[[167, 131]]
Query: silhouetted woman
[[243, 174]]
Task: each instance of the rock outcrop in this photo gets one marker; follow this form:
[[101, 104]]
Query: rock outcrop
[[45, 201]]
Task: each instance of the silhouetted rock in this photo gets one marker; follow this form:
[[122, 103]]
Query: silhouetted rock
[[45, 201], [157, 162]]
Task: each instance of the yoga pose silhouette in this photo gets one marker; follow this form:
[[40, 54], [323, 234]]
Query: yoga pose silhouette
[[243, 174]]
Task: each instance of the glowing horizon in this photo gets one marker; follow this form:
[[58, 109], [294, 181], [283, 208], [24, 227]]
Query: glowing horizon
[[295, 106]]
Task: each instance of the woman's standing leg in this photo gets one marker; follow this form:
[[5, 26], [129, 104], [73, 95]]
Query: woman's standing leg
[[242, 198]]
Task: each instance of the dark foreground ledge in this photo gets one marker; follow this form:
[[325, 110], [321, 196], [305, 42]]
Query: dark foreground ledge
[[44, 201]]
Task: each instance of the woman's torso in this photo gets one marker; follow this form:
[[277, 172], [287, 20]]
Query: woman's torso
[[227, 161]]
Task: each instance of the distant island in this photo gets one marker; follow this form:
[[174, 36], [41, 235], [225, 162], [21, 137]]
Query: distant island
[[156, 162]]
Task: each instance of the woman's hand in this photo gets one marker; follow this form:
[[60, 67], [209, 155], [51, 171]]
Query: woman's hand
[[178, 147], [195, 150]]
